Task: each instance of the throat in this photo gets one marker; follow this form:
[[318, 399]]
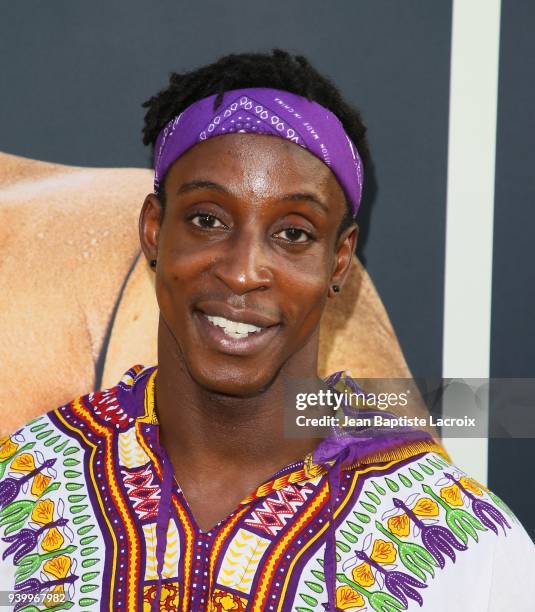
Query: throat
[[213, 500]]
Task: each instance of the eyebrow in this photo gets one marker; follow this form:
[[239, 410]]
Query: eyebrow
[[290, 197]]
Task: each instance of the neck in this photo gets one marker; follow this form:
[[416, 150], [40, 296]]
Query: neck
[[203, 428]]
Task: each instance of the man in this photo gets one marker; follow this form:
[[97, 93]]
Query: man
[[179, 488], [88, 342]]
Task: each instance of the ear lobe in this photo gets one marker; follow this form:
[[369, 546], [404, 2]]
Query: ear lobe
[[334, 290], [343, 259]]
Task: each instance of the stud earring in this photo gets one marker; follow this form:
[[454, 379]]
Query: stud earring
[[152, 263], [336, 288]]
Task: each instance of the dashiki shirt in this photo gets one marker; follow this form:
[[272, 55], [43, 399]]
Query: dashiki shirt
[[394, 527]]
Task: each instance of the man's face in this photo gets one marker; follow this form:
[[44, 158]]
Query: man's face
[[246, 252]]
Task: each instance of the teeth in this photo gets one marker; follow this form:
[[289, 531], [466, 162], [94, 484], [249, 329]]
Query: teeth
[[234, 329]]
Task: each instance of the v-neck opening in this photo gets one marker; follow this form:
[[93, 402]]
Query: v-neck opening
[[148, 416], [181, 498]]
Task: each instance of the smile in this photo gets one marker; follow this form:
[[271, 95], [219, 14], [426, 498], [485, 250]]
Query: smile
[[233, 337], [234, 329]]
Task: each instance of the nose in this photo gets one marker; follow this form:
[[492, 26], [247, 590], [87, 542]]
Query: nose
[[244, 264]]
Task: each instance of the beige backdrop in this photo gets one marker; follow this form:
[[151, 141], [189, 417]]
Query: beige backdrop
[[73, 278]]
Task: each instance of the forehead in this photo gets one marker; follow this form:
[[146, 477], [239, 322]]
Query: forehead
[[261, 164]]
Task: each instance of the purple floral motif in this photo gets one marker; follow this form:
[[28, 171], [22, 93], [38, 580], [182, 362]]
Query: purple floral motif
[[435, 538], [10, 487], [482, 509], [34, 586], [398, 583], [26, 540]]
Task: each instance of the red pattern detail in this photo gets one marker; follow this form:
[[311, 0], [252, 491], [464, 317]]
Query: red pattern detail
[[106, 406], [273, 514], [168, 598], [145, 495]]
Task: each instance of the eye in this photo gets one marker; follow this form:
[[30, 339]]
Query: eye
[[206, 221], [295, 235]]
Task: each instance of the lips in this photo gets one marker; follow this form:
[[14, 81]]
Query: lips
[[215, 336], [233, 328], [238, 315]]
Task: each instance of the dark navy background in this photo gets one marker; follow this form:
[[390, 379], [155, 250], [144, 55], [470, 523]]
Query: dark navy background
[[512, 462]]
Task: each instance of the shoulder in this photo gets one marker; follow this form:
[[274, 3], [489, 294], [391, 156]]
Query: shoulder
[[115, 408], [426, 518], [406, 494], [47, 491]]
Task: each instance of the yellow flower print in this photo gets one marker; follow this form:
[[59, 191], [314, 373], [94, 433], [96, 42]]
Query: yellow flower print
[[39, 484], [383, 552], [52, 540], [426, 507], [8, 449], [362, 574], [471, 485], [452, 495], [43, 511], [346, 597], [399, 525], [58, 566], [48, 599], [23, 463]]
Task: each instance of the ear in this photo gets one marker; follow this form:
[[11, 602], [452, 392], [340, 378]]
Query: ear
[[345, 251], [150, 220]]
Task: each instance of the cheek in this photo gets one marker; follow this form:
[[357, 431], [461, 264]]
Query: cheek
[[180, 270], [304, 290]]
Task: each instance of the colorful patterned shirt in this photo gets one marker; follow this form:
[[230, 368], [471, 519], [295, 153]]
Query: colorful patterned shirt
[[80, 492]]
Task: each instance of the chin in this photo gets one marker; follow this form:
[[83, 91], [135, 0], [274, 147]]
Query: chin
[[235, 381]]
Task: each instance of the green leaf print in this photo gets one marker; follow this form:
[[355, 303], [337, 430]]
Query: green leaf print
[[426, 469], [51, 441], [363, 518], [14, 526], [308, 599], [373, 497], [379, 601], [393, 486], [368, 507], [16, 511], [414, 557], [353, 539], [58, 448], [71, 450], [354, 527], [461, 522], [314, 586], [29, 564], [405, 481], [87, 601], [379, 488], [416, 474]]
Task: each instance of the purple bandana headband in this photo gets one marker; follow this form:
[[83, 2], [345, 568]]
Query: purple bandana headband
[[264, 111]]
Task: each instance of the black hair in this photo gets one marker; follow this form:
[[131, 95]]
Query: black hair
[[278, 70]]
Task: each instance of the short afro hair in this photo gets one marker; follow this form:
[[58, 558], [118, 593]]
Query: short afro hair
[[277, 70]]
